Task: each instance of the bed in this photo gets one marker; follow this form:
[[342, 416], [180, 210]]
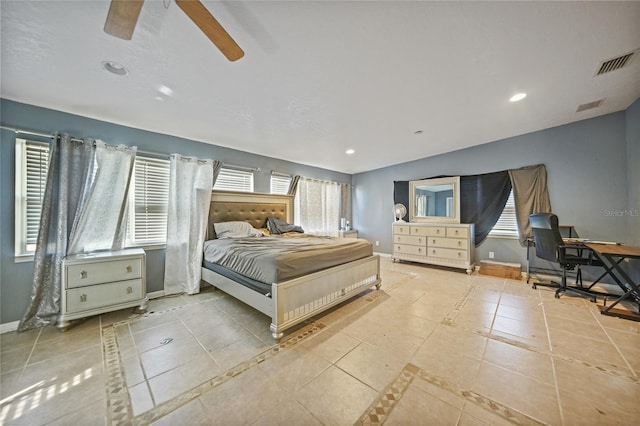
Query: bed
[[296, 297]]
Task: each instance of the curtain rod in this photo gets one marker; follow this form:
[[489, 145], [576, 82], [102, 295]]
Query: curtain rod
[[28, 132]]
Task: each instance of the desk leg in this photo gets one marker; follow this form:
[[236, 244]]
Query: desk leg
[[614, 271]]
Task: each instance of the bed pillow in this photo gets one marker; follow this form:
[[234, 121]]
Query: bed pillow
[[236, 229], [277, 226]]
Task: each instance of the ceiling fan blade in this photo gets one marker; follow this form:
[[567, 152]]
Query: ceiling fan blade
[[211, 28], [122, 18]]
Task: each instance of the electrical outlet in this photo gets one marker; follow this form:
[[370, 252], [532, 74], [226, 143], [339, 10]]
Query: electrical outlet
[[491, 255], [377, 243]]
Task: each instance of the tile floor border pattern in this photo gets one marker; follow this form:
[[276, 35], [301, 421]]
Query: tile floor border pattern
[[379, 411], [453, 314], [119, 406]]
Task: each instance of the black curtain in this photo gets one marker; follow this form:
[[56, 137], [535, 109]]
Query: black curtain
[[482, 199], [401, 195]]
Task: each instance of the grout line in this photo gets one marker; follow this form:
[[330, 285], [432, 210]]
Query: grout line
[[614, 344], [553, 365]]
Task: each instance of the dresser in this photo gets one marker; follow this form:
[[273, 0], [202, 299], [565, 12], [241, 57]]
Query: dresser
[[100, 282], [441, 244]]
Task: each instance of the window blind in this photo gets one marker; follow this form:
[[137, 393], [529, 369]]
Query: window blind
[[148, 200], [35, 173], [280, 184], [234, 180], [507, 224]]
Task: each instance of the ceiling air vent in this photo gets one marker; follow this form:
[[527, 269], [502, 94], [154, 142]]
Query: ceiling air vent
[[614, 64], [590, 105]]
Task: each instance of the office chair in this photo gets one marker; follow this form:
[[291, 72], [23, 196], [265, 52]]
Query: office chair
[[550, 246]]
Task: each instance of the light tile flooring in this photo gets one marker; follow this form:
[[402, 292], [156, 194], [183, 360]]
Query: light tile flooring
[[432, 346]]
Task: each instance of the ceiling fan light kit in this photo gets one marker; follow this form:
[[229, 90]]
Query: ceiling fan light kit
[[123, 17]]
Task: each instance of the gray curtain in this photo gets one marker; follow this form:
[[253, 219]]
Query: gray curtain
[[530, 194], [102, 223], [345, 201], [293, 186], [71, 164], [217, 166]]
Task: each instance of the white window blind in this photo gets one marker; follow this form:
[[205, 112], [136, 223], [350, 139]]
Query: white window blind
[[234, 180], [148, 200], [507, 224], [280, 184], [32, 164]]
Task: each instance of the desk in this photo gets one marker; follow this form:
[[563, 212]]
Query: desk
[[612, 255]]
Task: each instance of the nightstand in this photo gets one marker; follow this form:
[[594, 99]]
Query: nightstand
[[95, 283], [353, 233]]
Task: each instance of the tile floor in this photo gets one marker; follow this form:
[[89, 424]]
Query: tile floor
[[433, 346]]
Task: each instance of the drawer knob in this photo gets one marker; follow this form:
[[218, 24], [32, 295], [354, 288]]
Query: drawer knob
[[83, 297], [83, 274], [437, 231], [456, 232], [419, 240], [434, 252], [434, 241], [129, 268], [129, 290], [459, 243], [419, 250]]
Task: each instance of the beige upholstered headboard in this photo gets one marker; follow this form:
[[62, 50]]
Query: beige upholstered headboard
[[249, 207]]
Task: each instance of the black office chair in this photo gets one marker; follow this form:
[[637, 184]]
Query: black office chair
[[550, 246]]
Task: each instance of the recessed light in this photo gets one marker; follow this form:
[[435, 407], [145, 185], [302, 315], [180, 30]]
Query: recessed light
[[417, 132], [115, 68], [167, 91], [517, 97], [350, 151]]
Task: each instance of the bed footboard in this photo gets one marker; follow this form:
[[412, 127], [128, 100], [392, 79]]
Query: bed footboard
[[301, 298]]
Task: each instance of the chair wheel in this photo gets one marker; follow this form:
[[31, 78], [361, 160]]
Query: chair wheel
[[557, 296], [593, 299], [534, 286]]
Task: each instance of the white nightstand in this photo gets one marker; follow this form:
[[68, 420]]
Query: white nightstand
[[101, 282], [348, 234]]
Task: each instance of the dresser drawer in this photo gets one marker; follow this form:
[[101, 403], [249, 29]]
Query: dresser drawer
[[409, 239], [401, 229], [83, 274], [400, 249], [459, 243], [457, 233], [83, 299], [447, 253], [429, 231]]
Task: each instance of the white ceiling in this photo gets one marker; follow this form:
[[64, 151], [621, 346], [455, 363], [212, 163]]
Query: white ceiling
[[319, 77]]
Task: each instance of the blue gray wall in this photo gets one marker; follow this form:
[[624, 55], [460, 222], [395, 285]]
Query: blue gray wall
[[592, 169], [15, 278]]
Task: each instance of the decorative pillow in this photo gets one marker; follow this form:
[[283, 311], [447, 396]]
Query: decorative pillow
[[237, 229], [277, 226], [265, 231]]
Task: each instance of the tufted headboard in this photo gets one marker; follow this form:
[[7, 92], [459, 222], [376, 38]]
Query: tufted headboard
[[249, 207]]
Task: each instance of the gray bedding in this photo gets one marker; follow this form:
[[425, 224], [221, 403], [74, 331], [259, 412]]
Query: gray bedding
[[279, 258]]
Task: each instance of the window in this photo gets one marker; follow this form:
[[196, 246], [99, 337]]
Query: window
[[148, 197], [148, 201], [507, 226], [32, 165], [234, 180], [317, 206], [280, 183]]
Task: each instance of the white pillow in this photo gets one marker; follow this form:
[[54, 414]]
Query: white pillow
[[236, 230]]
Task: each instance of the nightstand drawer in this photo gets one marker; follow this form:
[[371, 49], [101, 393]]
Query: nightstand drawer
[[459, 243], [80, 275], [83, 299]]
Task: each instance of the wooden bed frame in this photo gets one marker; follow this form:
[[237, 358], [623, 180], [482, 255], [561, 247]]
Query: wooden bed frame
[[298, 299]]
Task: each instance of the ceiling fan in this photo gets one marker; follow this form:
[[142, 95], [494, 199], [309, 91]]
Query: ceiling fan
[[123, 16]]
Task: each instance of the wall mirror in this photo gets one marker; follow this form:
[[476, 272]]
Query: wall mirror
[[435, 200]]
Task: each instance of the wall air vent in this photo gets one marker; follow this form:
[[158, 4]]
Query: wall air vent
[[614, 64], [590, 105]]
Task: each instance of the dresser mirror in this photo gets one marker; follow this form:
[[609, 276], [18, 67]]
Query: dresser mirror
[[435, 200]]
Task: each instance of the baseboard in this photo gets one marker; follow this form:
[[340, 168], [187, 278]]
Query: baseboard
[[13, 326], [10, 326], [382, 254]]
